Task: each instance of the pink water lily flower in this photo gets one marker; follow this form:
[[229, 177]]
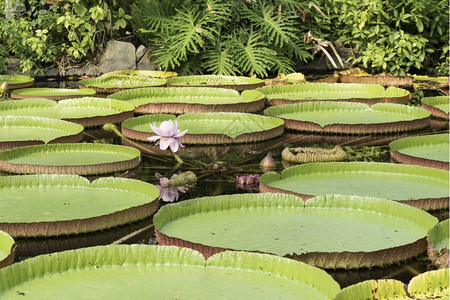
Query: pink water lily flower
[[167, 135], [166, 192]]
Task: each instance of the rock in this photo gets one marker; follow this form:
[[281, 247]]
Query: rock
[[146, 63], [117, 56], [140, 52]]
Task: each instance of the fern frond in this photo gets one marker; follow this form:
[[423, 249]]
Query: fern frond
[[278, 26], [219, 61], [187, 36], [219, 10], [154, 15], [251, 54]]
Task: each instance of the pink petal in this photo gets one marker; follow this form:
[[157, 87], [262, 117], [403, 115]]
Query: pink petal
[[173, 144], [167, 128], [154, 138], [156, 129], [180, 134], [180, 144], [163, 181], [164, 143]]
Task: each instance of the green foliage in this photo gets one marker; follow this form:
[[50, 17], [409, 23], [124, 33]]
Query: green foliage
[[223, 37], [390, 37], [71, 31]]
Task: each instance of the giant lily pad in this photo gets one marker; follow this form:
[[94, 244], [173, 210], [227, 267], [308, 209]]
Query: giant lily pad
[[209, 128], [143, 73], [428, 150], [87, 111], [52, 205], [438, 106], [143, 271], [438, 244], [83, 159], [51, 93], [7, 249], [238, 83], [16, 131], [383, 79], [428, 285], [351, 118], [422, 187], [365, 93], [17, 81], [114, 83], [332, 231], [178, 100]]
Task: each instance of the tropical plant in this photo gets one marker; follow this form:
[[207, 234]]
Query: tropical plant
[[393, 38], [67, 32], [223, 37]]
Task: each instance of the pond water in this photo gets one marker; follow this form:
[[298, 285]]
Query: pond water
[[216, 169]]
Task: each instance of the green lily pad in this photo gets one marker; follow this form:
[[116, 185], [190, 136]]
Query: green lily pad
[[238, 83], [422, 187], [18, 131], [428, 285], [178, 100], [439, 235], [438, 106], [143, 73], [87, 111], [7, 249], [332, 231], [17, 81], [382, 79], [209, 128], [365, 93], [429, 83], [52, 205], [114, 83], [350, 118], [51, 93], [83, 159], [427, 150], [438, 244], [140, 271]]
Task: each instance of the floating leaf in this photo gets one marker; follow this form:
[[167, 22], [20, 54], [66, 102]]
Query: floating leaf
[[143, 73], [238, 83], [209, 128], [178, 100], [83, 159], [137, 271], [113, 83], [439, 106], [426, 150], [51, 93], [87, 111], [350, 118], [16, 131], [422, 187], [52, 205], [369, 94], [428, 285], [7, 249], [332, 231], [17, 81]]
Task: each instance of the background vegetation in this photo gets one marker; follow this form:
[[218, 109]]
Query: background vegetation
[[235, 37]]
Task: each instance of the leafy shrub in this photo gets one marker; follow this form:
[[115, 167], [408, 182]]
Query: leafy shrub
[[68, 32], [229, 37], [390, 36]]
